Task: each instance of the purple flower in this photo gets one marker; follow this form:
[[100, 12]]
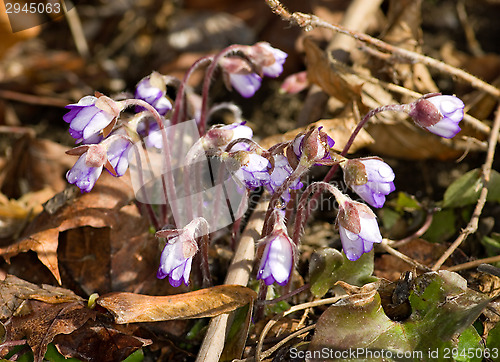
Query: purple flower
[[88, 167], [239, 75], [152, 89], [439, 114], [176, 259], [370, 178], [250, 169], [278, 257], [270, 59], [358, 227], [112, 154], [282, 170], [91, 115]]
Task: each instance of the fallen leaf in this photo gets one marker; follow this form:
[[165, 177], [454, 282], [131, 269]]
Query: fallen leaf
[[320, 72], [45, 321], [94, 209], [14, 292], [96, 342], [209, 302]]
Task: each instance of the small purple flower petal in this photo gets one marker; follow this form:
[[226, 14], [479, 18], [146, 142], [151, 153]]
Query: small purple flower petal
[[245, 84], [282, 170], [118, 151], [253, 172], [276, 68]]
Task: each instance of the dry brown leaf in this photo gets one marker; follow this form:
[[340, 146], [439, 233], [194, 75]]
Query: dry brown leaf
[[14, 291], [339, 129], [96, 342], [320, 72], [94, 209], [44, 321], [209, 302]]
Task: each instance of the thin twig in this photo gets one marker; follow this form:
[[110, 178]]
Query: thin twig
[[75, 26], [486, 174], [421, 231], [33, 99], [474, 263], [308, 22], [384, 245]]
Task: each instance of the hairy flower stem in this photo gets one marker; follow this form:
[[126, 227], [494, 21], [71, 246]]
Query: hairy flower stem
[[168, 186], [206, 84], [297, 173], [180, 97], [359, 127], [302, 210]]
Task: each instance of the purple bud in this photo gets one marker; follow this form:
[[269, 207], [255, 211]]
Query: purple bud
[[152, 89], [91, 115], [219, 136], [118, 149], [278, 257], [439, 114], [358, 227], [370, 178]]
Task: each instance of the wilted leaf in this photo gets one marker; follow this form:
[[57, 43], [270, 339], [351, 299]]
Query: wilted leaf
[[44, 321], [93, 209], [320, 72], [14, 292], [131, 308], [442, 306], [96, 342]]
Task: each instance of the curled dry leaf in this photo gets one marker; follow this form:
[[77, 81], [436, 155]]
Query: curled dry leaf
[[209, 302]]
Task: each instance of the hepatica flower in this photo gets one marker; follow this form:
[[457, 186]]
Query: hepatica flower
[[152, 89], [91, 115], [357, 226], [278, 257], [270, 59], [111, 154], [177, 255], [370, 178], [251, 169], [438, 114], [314, 145]]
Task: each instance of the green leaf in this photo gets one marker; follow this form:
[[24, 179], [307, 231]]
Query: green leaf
[[466, 189], [493, 344], [442, 307], [469, 348], [406, 202], [442, 226], [492, 245], [328, 266]]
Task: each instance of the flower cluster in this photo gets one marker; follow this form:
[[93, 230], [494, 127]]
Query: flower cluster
[[107, 132]]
